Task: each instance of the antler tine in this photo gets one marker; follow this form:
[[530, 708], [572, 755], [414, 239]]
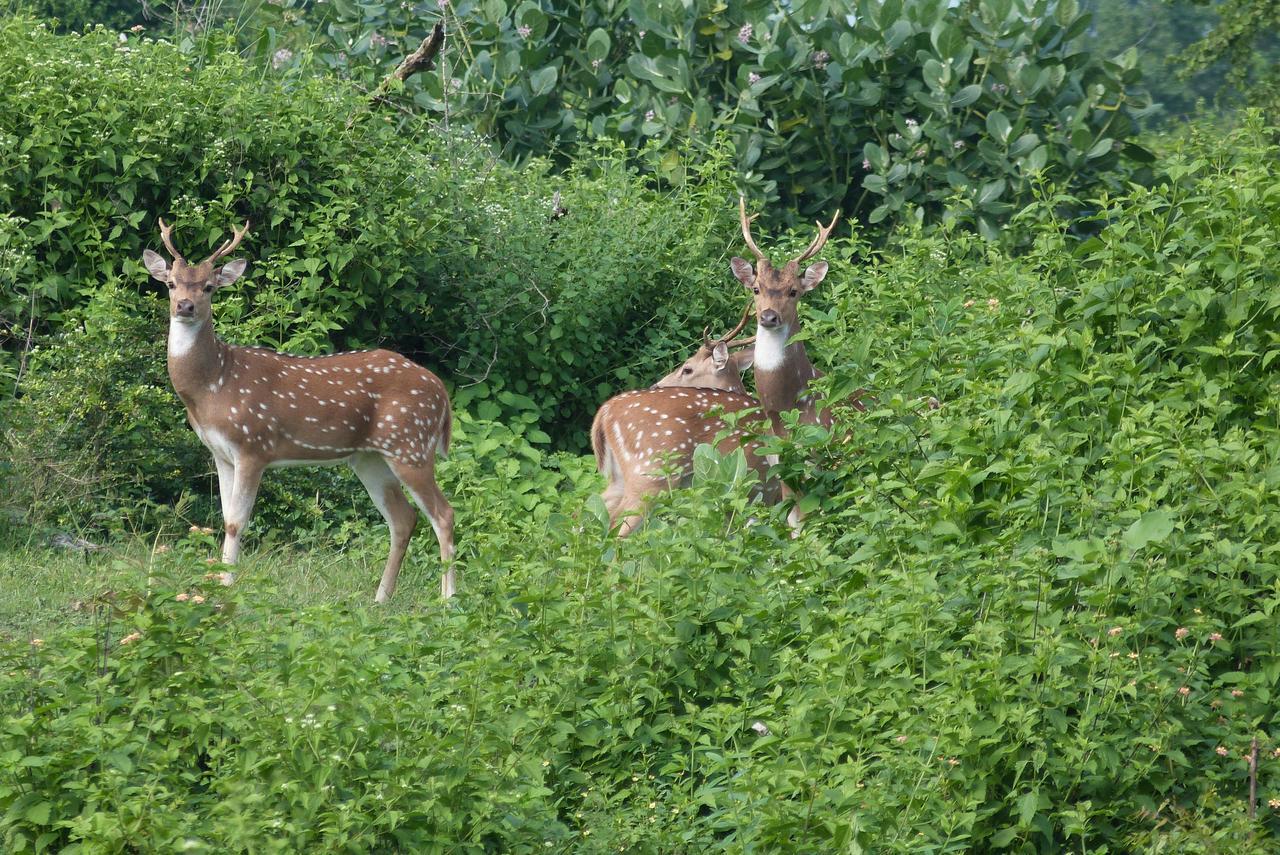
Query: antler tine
[[706, 338], [824, 232], [746, 313], [166, 235], [742, 342], [746, 228], [229, 246]]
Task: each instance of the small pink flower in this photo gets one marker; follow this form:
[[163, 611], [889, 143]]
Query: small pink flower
[[820, 58], [1276, 753], [197, 599], [1115, 630], [866, 165], [760, 728], [994, 304], [745, 32], [37, 642], [595, 65], [648, 115], [951, 761], [1221, 751], [136, 28], [130, 638], [162, 549], [524, 31], [211, 561], [1274, 804], [1237, 693], [968, 304], [1181, 632], [911, 123], [753, 78], [442, 4], [1184, 690], [900, 738], [1215, 636], [182, 598]]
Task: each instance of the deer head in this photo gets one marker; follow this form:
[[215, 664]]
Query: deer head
[[714, 366], [778, 290], [191, 286]]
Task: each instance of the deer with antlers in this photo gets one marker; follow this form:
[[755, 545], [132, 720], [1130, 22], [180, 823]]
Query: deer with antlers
[[783, 371], [254, 409], [644, 439]]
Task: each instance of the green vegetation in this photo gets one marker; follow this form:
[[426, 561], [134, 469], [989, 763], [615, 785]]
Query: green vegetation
[[1033, 607]]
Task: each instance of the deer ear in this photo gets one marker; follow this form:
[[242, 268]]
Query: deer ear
[[742, 270], [231, 271], [720, 355], [156, 265], [815, 274], [744, 359]]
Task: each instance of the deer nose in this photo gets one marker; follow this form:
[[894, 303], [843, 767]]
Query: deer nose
[[769, 319], [186, 309]]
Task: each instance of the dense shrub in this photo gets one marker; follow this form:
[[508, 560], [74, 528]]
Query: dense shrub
[[888, 110], [1038, 616], [362, 233]]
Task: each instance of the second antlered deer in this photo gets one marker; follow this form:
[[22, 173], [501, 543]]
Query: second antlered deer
[[644, 439], [254, 408], [782, 367]]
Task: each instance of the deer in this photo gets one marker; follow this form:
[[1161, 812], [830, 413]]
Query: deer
[[783, 371], [254, 409], [644, 439]]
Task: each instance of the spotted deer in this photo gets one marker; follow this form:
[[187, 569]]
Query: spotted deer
[[644, 439], [782, 367], [254, 408]]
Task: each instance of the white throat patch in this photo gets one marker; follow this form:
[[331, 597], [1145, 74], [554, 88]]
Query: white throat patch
[[182, 336], [771, 348]]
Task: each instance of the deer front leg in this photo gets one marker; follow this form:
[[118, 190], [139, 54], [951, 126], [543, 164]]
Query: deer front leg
[[226, 483], [235, 518]]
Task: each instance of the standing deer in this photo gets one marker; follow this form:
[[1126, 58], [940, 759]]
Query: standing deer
[[644, 439], [782, 367], [254, 408]]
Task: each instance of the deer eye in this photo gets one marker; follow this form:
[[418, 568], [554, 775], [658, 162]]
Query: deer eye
[[208, 289], [793, 292], [757, 290], [686, 370]]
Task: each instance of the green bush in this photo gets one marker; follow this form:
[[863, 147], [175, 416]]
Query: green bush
[[1034, 614], [362, 233], [889, 110]]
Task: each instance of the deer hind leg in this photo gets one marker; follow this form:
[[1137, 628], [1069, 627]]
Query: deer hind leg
[[421, 483], [235, 515], [402, 519], [631, 507]]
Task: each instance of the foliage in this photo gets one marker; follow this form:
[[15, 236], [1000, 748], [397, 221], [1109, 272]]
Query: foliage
[[362, 234], [1160, 31], [1036, 616], [84, 14], [887, 110], [1245, 39]]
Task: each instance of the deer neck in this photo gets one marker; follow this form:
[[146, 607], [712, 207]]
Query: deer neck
[[196, 359], [782, 370]]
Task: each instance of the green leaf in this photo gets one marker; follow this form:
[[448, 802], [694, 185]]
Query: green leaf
[[998, 125], [598, 44], [38, 813], [1101, 147], [1151, 527], [966, 96], [543, 80]]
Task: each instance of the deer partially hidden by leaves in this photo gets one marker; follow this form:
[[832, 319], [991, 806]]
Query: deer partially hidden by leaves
[[783, 371], [644, 439], [254, 408]]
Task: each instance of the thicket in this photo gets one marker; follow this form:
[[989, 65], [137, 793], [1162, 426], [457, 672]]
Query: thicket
[[363, 233], [887, 110], [1038, 616]]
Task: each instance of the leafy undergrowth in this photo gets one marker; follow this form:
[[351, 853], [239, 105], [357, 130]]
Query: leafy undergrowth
[[1033, 608]]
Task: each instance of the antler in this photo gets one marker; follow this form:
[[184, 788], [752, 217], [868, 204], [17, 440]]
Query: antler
[[746, 228], [824, 232], [727, 338], [229, 246], [166, 235]]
